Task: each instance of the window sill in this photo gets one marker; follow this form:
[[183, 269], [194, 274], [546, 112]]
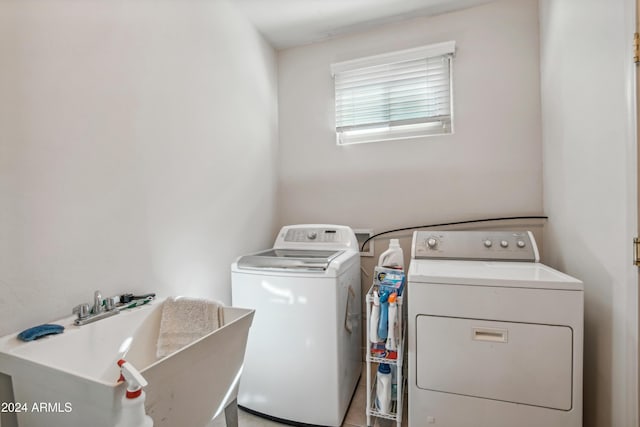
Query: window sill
[[393, 134]]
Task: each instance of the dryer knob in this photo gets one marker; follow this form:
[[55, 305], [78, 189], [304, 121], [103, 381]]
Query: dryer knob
[[520, 243], [312, 235], [488, 243], [504, 244], [432, 243]]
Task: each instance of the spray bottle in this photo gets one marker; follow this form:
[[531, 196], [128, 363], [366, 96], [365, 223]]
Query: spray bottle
[[384, 316], [393, 314], [375, 318], [132, 413]]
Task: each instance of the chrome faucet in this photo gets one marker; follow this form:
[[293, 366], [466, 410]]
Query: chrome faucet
[[97, 303], [97, 312]]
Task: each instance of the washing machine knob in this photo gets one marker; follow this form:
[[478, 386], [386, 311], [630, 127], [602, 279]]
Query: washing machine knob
[[488, 243], [504, 244], [432, 243], [312, 235], [520, 243]]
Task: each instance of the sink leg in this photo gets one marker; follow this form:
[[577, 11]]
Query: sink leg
[[7, 419], [231, 413]]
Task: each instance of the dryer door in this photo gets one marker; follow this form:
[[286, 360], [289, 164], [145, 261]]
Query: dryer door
[[523, 363]]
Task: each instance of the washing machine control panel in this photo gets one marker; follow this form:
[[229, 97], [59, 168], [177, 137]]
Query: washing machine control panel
[[316, 237], [475, 245], [313, 235]]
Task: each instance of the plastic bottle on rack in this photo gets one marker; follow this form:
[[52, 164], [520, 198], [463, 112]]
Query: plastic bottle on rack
[[375, 318], [383, 388], [394, 383], [392, 257], [384, 316], [391, 330]]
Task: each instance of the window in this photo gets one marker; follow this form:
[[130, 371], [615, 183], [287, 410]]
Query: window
[[404, 94]]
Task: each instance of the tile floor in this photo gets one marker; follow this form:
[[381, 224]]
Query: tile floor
[[355, 417]]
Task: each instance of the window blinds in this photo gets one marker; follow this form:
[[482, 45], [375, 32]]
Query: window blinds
[[379, 97]]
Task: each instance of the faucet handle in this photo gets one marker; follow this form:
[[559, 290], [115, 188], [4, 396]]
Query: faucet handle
[[111, 303], [81, 310]]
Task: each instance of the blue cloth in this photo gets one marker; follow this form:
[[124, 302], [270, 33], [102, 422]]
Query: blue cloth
[[40, 331]]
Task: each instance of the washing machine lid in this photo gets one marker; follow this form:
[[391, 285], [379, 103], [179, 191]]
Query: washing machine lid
[[289, 260], [488, 273]]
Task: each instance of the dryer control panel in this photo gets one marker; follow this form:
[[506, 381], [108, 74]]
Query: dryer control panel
[[475, 245]]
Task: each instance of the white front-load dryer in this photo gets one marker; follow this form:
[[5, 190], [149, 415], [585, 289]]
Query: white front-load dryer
[[303, 357], [495, 337]]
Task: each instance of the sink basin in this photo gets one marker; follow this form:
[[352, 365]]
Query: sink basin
[[70, 379]]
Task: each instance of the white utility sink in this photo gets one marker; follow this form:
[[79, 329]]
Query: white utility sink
[[71, 379]]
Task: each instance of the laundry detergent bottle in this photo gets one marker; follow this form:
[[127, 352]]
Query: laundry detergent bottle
[[392, 257], [132, 413]]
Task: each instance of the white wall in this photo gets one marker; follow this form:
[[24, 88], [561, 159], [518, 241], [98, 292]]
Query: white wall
[[589, 188], [491, 166], [137, 150]]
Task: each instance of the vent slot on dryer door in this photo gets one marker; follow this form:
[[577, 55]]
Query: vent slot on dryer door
[[529, 364]]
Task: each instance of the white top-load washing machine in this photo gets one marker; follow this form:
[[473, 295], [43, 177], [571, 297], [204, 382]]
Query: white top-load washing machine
[[495, 337], [303, 356]]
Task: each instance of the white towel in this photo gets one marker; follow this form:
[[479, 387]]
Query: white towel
[[184, 320]]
